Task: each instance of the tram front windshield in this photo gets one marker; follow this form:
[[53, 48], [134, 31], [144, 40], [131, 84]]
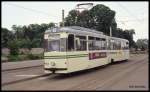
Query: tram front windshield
[[55, 43]]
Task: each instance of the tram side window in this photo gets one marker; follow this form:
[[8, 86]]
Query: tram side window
[[63, 44], [70, 42], [97, 43], [125, 45], [112, 47], [115, 45], [81, 43], [108, 44], [91, 43], [103, 44], [122, 46], [118, 45]]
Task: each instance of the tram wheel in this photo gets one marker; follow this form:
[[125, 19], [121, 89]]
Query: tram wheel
[[112, 60]]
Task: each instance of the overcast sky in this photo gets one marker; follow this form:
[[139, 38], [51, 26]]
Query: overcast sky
[[129, 15]]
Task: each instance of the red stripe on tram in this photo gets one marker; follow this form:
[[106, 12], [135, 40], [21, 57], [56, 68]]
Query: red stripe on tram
[[96, 55]]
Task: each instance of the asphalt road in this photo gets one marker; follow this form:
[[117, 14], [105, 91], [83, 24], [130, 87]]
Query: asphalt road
[[21, 64], [13, 76], [130, 75]]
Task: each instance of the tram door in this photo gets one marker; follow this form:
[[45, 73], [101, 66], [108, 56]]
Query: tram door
[[70, 46]]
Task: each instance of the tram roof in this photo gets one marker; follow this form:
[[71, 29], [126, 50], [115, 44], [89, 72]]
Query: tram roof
[[75, 30], [80, 31], [116, 38]]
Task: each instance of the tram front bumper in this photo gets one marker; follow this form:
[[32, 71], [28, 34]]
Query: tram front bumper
[[55, 70]]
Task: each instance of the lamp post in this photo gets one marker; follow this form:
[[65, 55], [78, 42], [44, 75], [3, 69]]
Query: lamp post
[[63, 18]]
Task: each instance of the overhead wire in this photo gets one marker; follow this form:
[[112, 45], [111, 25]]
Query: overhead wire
[[131, 14], [30, 9], [41, 12]]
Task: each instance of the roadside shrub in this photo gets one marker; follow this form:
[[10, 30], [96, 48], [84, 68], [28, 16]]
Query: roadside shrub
[[4, 58], [13, 58], [14, 48], [31, 56]]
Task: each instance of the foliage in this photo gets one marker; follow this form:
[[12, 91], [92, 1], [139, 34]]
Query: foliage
[[13, 45], [31, 56], [5, 37], [101, 18], [126, 34], [142, 44], [30, 36], [21, 57], [12, 58]]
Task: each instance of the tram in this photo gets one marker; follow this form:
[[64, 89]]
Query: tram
[[73, 48]]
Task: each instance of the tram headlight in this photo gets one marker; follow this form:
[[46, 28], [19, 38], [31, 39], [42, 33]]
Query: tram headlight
[[46, 63], [52, 63]]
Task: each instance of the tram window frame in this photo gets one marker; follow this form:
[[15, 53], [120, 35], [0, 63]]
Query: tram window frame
[[112, 44], [63, 42], [82, 41], [50, 43], [124, 46], [117, 45], [92, 43], [98, 41], [108, 44], [103, 43]]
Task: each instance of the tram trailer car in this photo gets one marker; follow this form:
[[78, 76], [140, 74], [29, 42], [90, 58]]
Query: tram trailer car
[[74, 48]]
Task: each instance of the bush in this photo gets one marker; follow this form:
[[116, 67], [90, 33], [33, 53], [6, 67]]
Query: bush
[[23, 57], [33, 57], [4, 58], [13, 58], [14, 47]]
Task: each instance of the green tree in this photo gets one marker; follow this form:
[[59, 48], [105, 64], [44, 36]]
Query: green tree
[[5, 37], [128, 34], [17, 31], [13, 45], [142, 43], [71, 19], [100, 17]]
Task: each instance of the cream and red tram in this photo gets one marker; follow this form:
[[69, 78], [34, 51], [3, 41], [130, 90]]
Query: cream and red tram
[[71, 49]]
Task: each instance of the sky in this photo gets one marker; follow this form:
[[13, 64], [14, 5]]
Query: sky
[[129, 15]]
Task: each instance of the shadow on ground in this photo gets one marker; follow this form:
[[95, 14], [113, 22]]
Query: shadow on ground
[[84, 72]]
